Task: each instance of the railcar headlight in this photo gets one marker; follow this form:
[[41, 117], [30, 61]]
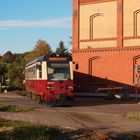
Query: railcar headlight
[[50, 88], [69, 87]]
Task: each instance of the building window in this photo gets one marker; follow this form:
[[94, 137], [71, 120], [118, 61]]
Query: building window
[[136, 22], [92, 17], [91, 65]]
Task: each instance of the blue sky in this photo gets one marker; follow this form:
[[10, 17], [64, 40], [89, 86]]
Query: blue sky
[[23, 22]]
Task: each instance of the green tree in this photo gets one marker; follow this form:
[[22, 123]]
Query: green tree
[[0, 58], [61, 49], [2, 69], [12, 71], [8, 57], [2, 72], [15, 75]]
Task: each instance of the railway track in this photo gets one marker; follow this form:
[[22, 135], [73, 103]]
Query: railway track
[[84, 132], [82, 121], [89, 130]]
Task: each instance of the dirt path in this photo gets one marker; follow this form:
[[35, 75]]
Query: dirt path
[[86, 113]]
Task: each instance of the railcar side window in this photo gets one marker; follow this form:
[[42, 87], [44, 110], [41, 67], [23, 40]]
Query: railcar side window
[[40, 72], [58, 71], [30, 72], [39, 67]]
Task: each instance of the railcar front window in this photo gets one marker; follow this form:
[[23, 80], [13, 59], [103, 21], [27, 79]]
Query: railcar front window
[[58, 71]]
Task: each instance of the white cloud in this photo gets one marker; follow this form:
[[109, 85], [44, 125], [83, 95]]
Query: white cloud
[[65, 22]]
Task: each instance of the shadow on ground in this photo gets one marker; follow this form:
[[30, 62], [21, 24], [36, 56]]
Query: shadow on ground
[[125, 136], [94, 101], [80, 134]]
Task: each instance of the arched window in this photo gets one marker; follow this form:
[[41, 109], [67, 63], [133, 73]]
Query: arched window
[[92, 17], [90, 64], [136, 22]]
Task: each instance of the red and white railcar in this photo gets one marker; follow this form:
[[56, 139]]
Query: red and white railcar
[[49, 79]]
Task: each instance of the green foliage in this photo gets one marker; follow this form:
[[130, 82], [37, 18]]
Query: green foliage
[[25, 131], [15, 75], [0, 58], [13, 108], [8, 57], [11, 70], [2, 68], [18, 130], [61, 49]]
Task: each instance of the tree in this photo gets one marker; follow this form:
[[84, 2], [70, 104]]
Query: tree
[[2, 72], [0, 57], [11, 70], [8, 57], [15, 75], [2, 69], [61, 49], [41, 48]]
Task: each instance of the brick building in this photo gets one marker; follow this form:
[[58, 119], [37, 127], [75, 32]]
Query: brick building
[[106, 43]]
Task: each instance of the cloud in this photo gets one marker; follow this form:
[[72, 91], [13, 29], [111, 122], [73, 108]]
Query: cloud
[[65, 22]]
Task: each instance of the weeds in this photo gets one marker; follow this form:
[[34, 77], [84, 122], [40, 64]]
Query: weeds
[[18, 130], [25, 131], [133, 115], [13, 108]]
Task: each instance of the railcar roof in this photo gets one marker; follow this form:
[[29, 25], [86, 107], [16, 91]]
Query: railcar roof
[[46, 58]]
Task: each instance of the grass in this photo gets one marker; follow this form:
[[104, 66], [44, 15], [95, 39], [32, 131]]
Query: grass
[[133, 115], [18, 130], [13, 108], [24, 131]]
